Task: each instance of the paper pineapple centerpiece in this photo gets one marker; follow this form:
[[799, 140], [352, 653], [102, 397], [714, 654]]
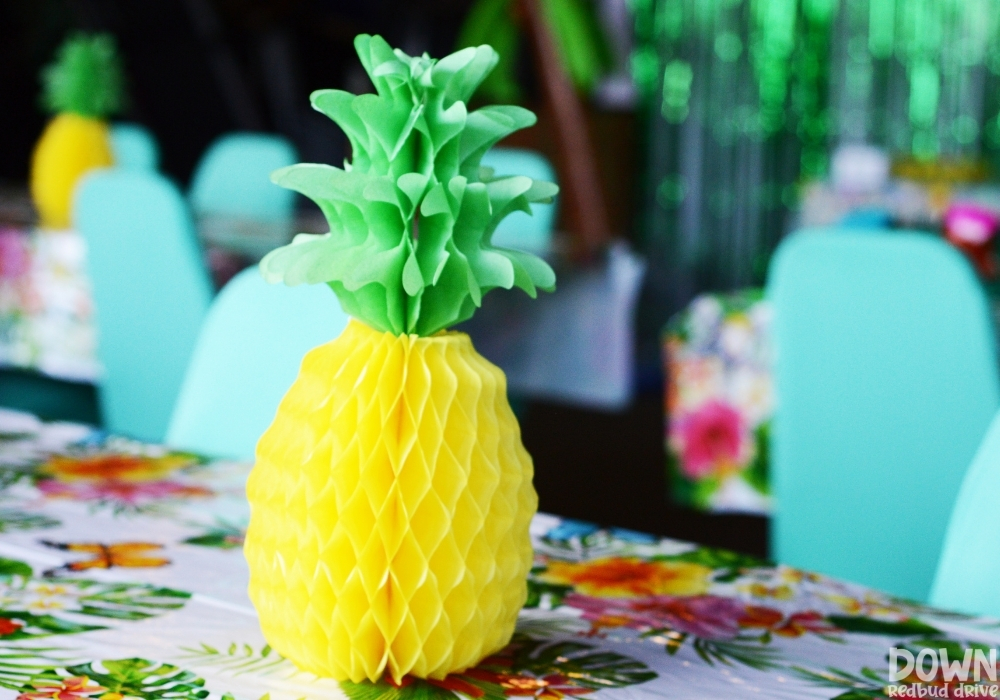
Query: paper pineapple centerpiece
[[83, 87], [392, 496]]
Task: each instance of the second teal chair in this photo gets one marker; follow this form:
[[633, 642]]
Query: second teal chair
[[134, 146], [151, 293], [233, 178], [886, 380], [968, 574], [247, 356], [519, 230]]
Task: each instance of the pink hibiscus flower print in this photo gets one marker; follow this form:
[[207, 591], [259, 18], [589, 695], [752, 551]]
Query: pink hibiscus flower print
[[121, 480], [713, 440], [15, 259], [705, 616], [122, 493]]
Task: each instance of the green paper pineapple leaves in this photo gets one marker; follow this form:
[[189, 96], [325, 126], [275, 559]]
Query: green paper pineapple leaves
[[86, 78], [411, 217]]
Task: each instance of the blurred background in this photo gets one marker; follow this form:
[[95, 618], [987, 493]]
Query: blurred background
[[689, 137]]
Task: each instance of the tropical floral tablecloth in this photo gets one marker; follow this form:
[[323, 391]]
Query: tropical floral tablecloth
[[719, 402], [122, 576], [46, 309]]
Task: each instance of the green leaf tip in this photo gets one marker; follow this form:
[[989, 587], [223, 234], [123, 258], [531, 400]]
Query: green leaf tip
[[86, 77], [413, 213]]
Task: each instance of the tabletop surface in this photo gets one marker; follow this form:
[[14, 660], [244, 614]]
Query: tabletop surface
[[122, 576]]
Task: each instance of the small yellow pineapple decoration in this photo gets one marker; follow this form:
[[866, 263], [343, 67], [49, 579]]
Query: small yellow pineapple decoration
[[83, 87], [392, 496]]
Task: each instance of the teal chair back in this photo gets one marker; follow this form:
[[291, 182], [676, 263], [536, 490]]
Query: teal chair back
[[151, 293], [233, 178], [519, 230], [134, 146], [885, 379], [968, 574], [247, 356]]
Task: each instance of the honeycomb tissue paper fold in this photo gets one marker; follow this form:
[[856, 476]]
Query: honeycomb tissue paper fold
[[391, 504]]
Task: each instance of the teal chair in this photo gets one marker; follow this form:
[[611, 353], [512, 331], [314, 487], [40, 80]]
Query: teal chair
[[968, 574], [886, 380], [151, 293], [233, 178], [247, 356], [519, 230], [134, 146]]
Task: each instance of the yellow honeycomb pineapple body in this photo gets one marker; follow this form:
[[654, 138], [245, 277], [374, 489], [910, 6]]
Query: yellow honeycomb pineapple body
[[70, 146], [391, 501]]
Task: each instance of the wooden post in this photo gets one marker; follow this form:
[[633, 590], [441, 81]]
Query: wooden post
[[579, 177]]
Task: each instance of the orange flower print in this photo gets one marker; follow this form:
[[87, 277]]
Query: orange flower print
[[756, 617], [554, 686], [72, 688], [628, 577], [125, 481], [796, 625], [114, 467]]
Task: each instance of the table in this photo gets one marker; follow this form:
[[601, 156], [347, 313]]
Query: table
[[46, 308], [720, 399], [47, 321], [122, 576], [718, 357]]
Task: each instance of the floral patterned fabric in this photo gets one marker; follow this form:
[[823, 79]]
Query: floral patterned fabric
[[46, 309], [719, 403], [121, 578]]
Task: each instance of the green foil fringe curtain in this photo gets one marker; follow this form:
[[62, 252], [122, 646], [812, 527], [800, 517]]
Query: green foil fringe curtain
[[918, 76], [746, 98]]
